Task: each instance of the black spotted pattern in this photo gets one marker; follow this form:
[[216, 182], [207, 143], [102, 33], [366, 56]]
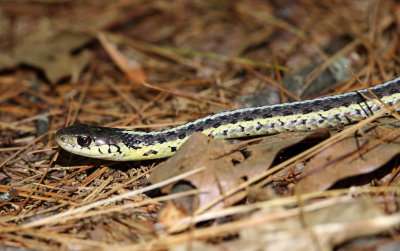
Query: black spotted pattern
[[150, 152]]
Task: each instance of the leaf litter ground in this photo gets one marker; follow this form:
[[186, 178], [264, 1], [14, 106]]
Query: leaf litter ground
[[152, 65]]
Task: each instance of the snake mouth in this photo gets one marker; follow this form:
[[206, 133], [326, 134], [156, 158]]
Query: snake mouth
[[67, 143], [91, 152]]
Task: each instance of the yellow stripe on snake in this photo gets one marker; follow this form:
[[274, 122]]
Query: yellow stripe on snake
[[332, 111]]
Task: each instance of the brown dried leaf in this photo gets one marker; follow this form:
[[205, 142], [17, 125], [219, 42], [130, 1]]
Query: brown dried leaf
[[330, 225], [198, 152], [318, 226], [218, 159], [50, 50], [264, 153], [347, 158]]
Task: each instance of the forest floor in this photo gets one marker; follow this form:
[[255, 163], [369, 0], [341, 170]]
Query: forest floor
[[152, 65]]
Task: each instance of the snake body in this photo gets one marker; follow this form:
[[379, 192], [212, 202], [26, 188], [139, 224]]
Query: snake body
[[124, 145]]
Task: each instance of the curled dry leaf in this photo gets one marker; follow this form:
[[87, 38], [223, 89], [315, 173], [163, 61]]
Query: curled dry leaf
[[219, 159], [349, 157]]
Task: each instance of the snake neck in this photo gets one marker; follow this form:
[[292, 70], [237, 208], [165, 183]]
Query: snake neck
[[296, 116]]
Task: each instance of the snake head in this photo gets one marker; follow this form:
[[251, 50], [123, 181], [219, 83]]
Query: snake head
[[91, 141]]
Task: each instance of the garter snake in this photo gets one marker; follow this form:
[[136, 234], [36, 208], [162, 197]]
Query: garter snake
[[119, 144]]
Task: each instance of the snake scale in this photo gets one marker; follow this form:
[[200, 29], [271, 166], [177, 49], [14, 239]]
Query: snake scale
[[332, 111]]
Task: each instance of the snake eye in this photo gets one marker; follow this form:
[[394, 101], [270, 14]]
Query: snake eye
[[84, 141]]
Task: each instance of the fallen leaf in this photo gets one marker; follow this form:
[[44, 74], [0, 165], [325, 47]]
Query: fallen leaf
[[50, 51], [198, 152], [263, 154], [321, 225], [56, 50], [349, 157], [219, 159], [318, 227]]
